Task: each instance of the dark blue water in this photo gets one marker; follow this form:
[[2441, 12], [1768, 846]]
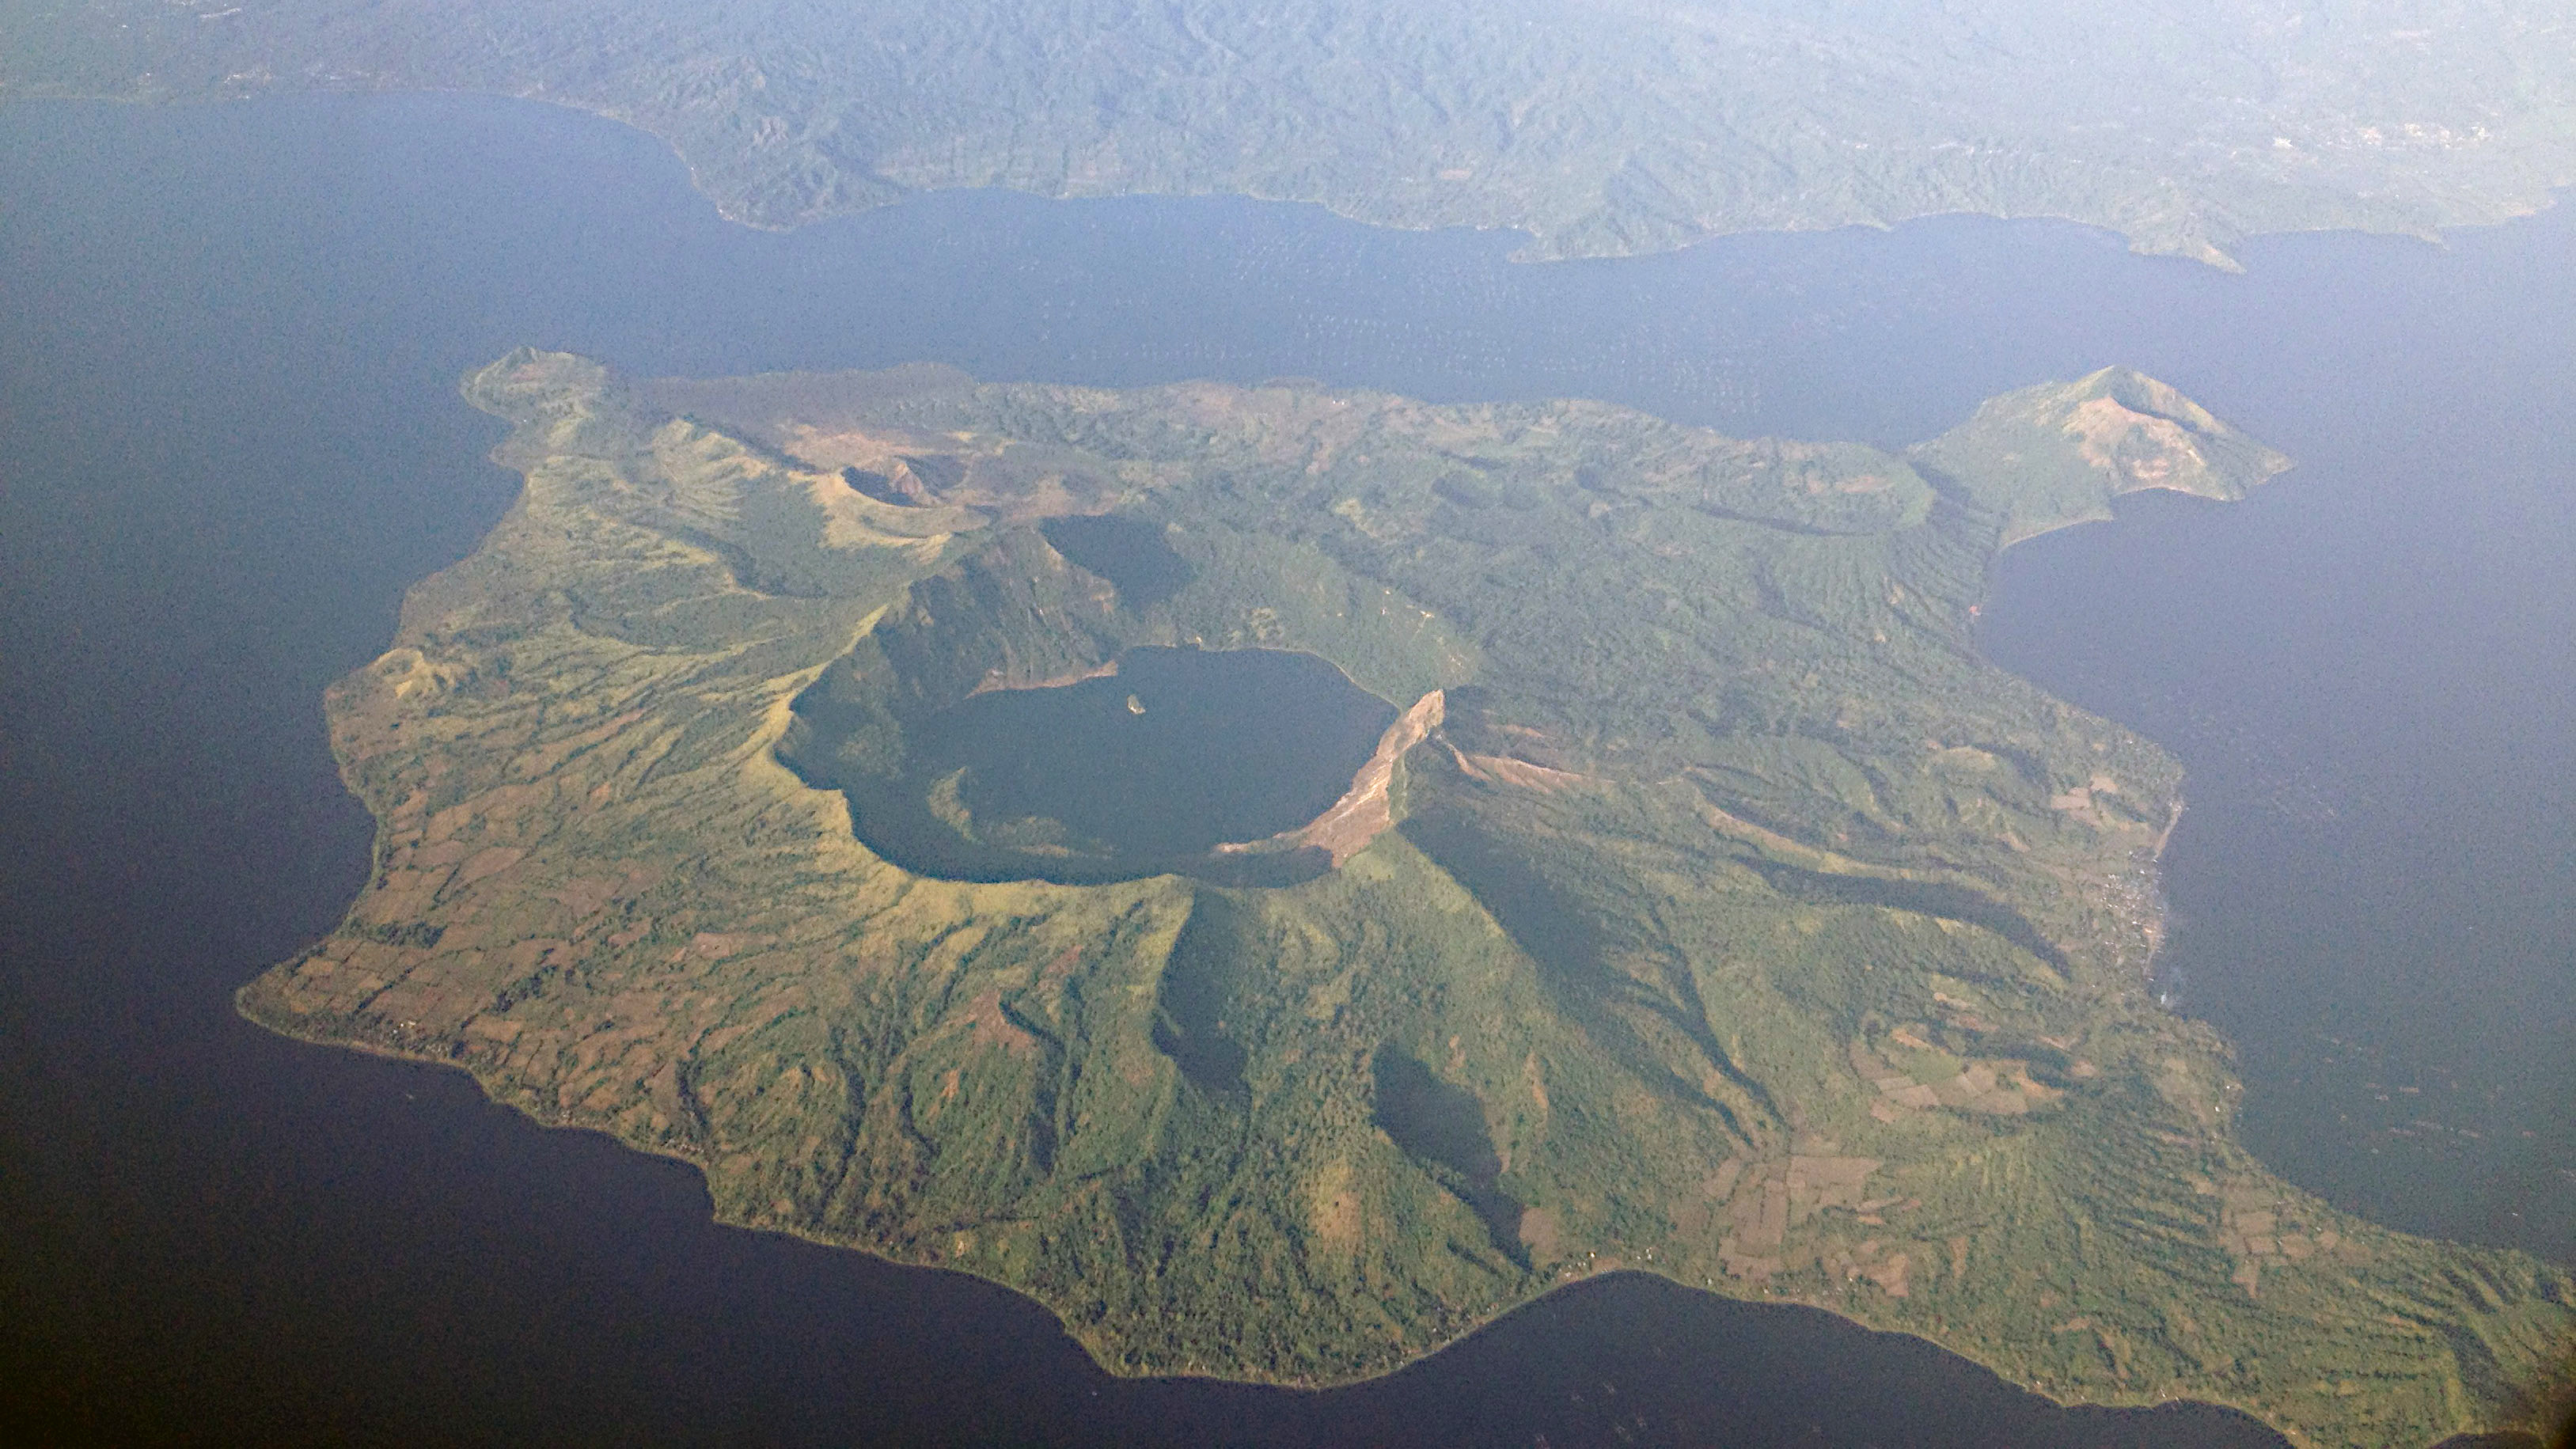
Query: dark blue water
[[228, 440], [1119, 778], [1181, 749]]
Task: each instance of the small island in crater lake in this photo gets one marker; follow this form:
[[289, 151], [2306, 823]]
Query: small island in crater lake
[[1284, 876]]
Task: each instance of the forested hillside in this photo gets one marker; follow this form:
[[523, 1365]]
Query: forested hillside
[[1598, 126]]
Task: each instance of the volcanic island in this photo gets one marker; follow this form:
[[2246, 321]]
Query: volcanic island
[[1696, 900]]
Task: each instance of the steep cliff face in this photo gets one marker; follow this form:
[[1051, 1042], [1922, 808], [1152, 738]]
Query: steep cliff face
[[1727, 917]]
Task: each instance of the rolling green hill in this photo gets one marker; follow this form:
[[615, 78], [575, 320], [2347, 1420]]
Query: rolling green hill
[[1713, 909], [1598, 126]]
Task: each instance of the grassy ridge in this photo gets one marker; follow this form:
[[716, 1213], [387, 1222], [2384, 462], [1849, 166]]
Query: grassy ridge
[[1740, 923]]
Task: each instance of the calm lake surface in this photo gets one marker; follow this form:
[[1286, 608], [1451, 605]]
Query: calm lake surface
[[1180, 749], [229, 439], [1139, 772]]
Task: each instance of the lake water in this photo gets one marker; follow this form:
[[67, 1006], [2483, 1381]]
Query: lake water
[[1116, 778], [229, 439]]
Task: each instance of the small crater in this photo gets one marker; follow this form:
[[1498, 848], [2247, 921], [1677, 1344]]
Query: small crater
[[1131, 553]]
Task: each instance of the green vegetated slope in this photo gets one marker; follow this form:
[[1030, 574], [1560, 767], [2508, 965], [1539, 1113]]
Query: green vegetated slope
[[1599, 126], [1736, 921]]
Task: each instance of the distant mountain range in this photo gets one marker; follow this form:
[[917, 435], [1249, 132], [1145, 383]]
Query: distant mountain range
[[1601, 127]]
